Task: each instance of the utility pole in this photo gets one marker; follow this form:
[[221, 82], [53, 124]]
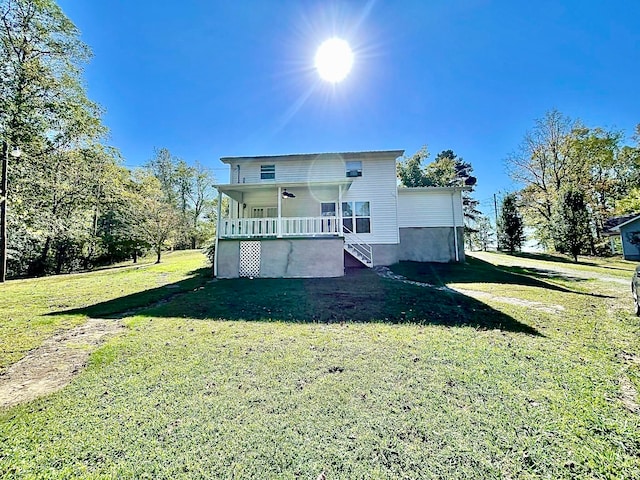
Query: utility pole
[[3, 206], [3, 212], [495, 210]]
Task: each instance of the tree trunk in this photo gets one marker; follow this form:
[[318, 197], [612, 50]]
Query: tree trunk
[[158, 252], [38, 267], [60, 254]]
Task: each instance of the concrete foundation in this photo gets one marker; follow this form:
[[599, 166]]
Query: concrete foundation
[[385, 254], [228, 258], [287, 258], [430, 244]]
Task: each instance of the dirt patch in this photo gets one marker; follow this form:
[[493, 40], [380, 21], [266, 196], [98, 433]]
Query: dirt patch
[[543, 307], [628, 394], [51, 366]]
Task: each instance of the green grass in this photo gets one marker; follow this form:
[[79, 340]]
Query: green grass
[[361, 376], [28, 306]]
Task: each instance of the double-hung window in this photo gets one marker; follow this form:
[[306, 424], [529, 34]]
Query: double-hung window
[[354, 168], [358, 215], [267, 172]]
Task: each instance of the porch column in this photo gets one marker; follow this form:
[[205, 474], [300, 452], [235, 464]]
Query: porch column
[[219, 222], [340, 229], [279, 212]]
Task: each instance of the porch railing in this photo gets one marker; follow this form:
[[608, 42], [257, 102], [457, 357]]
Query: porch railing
[[279, 227]]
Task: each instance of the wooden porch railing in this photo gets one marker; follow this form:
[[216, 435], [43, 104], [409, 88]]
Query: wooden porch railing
[[279, 227]]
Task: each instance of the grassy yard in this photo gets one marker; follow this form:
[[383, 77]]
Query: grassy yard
[[360, 377], [28, 307]]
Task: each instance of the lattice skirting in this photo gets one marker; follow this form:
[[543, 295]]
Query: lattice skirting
[[250, 259]]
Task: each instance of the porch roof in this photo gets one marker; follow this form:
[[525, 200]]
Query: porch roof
[[235, 190]]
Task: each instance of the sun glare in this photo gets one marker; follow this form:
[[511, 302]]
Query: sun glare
[[334, 59]]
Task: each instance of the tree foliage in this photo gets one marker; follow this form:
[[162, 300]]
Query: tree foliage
[[71, 205], [483, 235], [447, 170], [571, 223], [189, 191], [561, 153], [510, 225]]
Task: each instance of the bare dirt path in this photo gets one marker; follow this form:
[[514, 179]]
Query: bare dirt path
[[51, 366]]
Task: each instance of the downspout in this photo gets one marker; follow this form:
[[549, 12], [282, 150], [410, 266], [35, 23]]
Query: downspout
[[455, 229]]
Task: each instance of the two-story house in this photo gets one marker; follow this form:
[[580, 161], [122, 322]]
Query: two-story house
[[310, 215]]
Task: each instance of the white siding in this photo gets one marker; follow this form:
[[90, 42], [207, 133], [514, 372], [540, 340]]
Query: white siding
[[378, 187], [323, 167], [424, 208]]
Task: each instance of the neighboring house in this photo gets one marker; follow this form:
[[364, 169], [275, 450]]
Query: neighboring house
[[629, 230], [310, 215]]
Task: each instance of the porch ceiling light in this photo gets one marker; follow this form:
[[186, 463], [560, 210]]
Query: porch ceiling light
[[286, 194]]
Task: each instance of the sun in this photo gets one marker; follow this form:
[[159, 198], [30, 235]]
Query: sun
[[334, 59]]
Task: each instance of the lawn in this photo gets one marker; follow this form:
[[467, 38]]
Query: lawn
[[360, 377], [26, 306]]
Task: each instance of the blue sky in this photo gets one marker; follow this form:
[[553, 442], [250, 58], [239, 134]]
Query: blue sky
[[207, 79]]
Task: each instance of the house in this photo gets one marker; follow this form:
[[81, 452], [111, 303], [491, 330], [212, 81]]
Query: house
[[630, 236], [310, 215]]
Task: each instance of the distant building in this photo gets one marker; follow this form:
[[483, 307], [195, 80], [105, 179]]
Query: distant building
[[628, 230]]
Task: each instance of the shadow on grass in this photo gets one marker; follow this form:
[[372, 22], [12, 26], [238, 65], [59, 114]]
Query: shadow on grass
[[479, 271], [362, 296], [127, 305], [548, 257]]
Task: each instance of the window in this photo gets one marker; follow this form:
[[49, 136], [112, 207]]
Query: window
[[354, 168], [267, 172], [328, 209], [358, 213], [264, 212]]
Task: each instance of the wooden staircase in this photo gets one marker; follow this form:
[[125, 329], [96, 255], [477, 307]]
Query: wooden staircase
[[357, 248]]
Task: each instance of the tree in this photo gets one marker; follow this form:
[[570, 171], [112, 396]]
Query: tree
[[150, 217], [543, 164], [447, 170], [483, 235], [43, 107], [571, 226], [163, 165], [201, 200], [510, 225], [410, 171], [629, 203], [562, 153]]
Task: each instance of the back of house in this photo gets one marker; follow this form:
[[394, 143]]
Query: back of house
[[310, 215]]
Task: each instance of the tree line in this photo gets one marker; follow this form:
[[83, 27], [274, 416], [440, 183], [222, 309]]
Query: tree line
[[573, 179], [67, 201]]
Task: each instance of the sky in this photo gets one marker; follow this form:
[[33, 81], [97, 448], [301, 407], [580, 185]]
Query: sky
[[209, 79]]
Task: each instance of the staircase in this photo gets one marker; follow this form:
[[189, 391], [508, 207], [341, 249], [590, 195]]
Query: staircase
[[357, 248]]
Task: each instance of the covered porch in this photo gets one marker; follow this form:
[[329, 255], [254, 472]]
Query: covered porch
[[282, 210]]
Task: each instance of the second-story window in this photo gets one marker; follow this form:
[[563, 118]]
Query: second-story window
[[354, 168], [267, 172]]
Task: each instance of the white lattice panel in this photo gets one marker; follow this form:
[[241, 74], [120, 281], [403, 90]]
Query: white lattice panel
[[250, 259]]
